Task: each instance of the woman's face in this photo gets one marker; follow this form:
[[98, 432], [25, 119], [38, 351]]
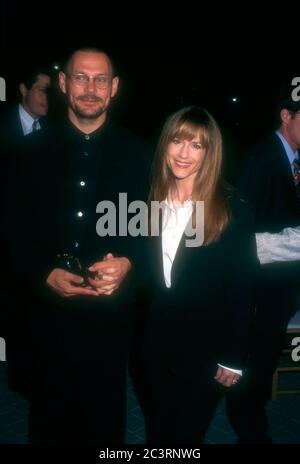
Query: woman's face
[[185, 157]]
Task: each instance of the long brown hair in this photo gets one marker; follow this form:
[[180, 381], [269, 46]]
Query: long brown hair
[[185, 124]]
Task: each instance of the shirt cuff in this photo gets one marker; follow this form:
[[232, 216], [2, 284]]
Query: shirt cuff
[[236, 371]]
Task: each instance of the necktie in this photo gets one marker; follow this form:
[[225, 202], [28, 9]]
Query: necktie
[[35, 125], [296, 174]]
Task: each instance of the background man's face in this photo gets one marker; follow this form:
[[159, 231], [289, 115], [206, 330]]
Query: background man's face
[[294, 129], [35, 99], [86, 99], [290, 127]]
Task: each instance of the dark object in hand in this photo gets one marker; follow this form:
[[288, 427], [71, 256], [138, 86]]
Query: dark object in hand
[[72, 264]]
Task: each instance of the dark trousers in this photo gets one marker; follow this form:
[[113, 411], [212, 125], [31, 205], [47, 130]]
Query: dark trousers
[[176, 409], [80, 404], [246, 403]]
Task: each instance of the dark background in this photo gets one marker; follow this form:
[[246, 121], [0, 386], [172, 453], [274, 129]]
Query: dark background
[[168, 55]]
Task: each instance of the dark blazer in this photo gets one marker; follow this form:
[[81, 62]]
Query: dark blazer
[[267, 184], [205, 317], [11, 127], [11, 142], [11, 135], [11, 131]]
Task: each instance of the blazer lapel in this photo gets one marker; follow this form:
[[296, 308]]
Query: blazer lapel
[[181, 253], [284, 166], [156, 255]]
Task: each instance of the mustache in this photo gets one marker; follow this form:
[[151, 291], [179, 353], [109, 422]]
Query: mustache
[[89, 97]]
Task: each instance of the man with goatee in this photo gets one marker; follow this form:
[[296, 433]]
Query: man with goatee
[[75, 288]]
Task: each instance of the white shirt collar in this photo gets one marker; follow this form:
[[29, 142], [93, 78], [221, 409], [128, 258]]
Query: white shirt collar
[[288, 150], [26, 120], [175, 206]]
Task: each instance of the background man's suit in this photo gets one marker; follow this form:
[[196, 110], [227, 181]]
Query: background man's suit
[[11, 131], [11, 141], [267, 183]]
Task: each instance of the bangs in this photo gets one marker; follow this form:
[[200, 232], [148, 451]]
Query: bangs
[[188, 131]]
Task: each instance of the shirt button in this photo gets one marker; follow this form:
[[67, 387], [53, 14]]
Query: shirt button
[[87, 137], [79, 214], [76, 244], [82, 183]]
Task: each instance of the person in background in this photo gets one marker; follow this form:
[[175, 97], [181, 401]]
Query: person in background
[[30, 113], [269, 182], [16, 122]]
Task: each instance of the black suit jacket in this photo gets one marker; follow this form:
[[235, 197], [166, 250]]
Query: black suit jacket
[[205, 317], [11, 135], [267, 183], [11, 131]]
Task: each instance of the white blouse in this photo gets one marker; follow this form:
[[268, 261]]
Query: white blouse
[[175, 219]]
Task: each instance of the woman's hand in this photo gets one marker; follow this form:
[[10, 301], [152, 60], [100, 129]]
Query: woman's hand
[[226, 377]]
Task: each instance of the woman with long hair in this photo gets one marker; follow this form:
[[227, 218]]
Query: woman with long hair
[[199, 316]]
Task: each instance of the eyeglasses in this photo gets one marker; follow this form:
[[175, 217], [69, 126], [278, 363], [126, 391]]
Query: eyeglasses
[[102, 81]]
